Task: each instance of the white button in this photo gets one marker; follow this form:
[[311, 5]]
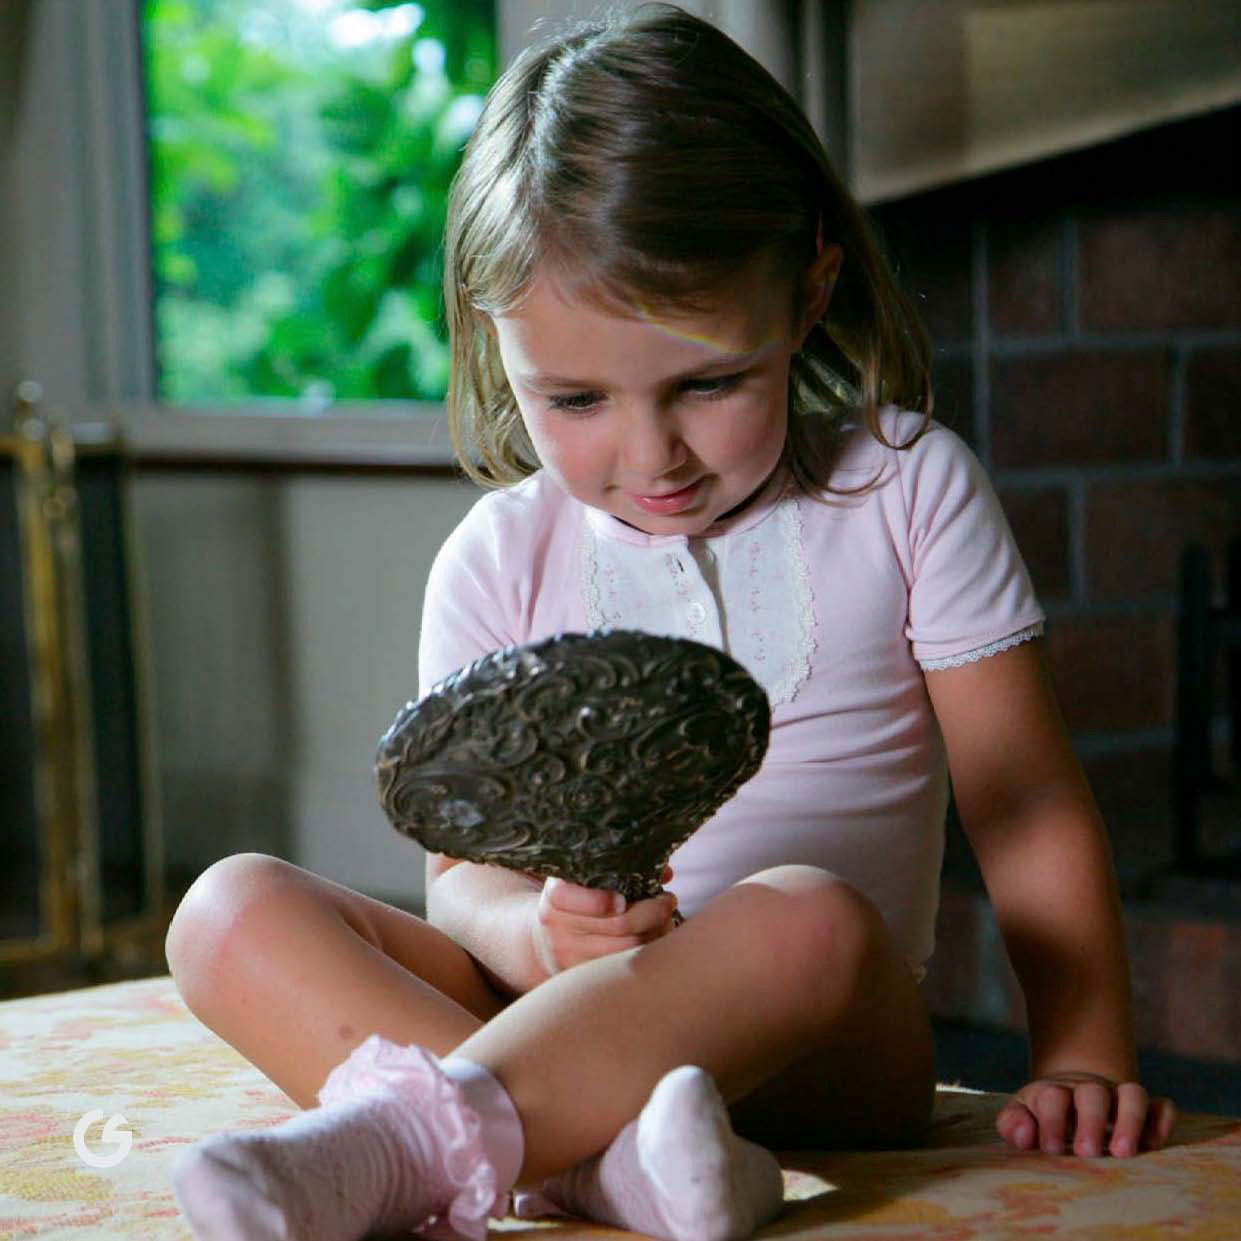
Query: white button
[[697, 612]]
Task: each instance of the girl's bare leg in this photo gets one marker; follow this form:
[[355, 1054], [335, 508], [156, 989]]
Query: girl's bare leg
[[786, 988], [261, 950]]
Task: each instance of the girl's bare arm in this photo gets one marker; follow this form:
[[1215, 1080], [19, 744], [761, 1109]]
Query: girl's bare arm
[[1043, 850], [522, 929], [486, 910]]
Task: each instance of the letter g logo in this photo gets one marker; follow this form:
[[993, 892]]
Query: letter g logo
[[113, 1135]]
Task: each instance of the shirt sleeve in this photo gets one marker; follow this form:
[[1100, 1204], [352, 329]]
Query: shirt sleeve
[[466, 611], [970, 593]]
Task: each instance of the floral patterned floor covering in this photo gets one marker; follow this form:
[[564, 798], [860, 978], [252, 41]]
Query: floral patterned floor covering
[[132, 1049]]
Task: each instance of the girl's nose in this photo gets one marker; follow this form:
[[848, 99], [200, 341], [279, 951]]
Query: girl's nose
[[652, 446]]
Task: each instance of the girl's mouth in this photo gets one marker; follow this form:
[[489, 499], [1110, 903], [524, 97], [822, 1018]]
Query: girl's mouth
[[670, 502]]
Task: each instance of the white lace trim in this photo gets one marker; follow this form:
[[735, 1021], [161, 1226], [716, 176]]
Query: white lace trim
[[993, 648], [760, 609], [798, 669], [768, 589], [589, 565]]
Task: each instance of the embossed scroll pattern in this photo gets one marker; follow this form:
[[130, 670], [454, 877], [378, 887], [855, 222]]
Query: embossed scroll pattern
[[586, 756]]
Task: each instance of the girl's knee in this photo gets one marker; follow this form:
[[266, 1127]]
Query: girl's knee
[[818, 921], [209, 913]]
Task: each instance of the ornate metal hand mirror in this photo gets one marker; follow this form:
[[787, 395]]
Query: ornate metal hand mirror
[[586, 756]]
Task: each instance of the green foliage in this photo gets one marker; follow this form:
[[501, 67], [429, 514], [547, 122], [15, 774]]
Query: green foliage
[[299, 178]]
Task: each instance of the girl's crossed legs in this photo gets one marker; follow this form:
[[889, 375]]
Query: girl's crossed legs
[[786, 988]]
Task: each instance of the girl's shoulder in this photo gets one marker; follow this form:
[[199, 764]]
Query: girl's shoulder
[[917, 448], [534, 497], [514, 513]]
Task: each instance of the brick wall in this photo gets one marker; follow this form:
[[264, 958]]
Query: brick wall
[[1086, 317]]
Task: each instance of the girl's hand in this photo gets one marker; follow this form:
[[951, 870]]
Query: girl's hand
[[575, 924], [1085, 1114]]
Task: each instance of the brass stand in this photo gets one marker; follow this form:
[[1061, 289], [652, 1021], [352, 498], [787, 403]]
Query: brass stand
[[74, 942]]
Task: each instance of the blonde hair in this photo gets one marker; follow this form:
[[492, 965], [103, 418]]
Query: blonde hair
[[644, 154]]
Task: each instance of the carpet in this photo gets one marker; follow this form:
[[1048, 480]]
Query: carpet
[[132, 1050]]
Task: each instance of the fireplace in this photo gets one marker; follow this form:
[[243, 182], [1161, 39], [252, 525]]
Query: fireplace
[[1086, 317], [81, 884]]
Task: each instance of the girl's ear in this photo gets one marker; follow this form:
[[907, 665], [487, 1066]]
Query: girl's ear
[[483, 320], [817, 284]]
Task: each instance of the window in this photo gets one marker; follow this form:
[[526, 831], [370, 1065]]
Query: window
[[299, 156], [103, 275]]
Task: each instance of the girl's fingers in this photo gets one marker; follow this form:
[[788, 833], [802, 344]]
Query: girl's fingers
[[591, 946], [1043, 1113], [1017, 1125], [1132, 1104], [1092, 1108], [641, 924], [572, 898], [1160, 1121], [648, 918], [591, 911], [1051, 1106]]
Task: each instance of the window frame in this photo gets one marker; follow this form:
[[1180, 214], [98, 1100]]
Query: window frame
[[88, 334], [78, 241]]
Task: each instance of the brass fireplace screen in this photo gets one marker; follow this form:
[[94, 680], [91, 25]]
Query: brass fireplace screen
[[80, 866]]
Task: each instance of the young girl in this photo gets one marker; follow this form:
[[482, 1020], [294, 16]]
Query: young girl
[[684, 363]]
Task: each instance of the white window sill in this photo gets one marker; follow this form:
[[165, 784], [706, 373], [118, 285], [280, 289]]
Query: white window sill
[[375, 433]]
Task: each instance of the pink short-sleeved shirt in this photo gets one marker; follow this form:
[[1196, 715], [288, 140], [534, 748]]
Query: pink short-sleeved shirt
[[835, 607]]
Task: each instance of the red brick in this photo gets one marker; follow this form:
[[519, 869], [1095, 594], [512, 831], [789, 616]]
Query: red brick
[[1136, 532], [1201, 965], [1133, 791], [1187, 982], [1151, 268], [1148, 943], [953, 380], [1112, 674], [1213, 403], [1080, 407], [1025, 288], [970, 977], [931, 252], [952, 973], [1040, 521]]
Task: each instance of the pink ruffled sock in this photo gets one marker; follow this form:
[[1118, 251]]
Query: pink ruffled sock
[[401, 1140], [678, 1171]]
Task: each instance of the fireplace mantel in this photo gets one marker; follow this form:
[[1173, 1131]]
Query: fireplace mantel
[[943, 92]]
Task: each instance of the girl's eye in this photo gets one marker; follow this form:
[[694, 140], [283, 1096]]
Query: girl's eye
[[714, 387], [708, 389], [578, 403]]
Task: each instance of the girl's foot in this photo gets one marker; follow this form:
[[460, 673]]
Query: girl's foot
[[397, 1144], [678, 1171]]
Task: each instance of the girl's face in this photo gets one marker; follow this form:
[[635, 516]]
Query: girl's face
[[667, 423]]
